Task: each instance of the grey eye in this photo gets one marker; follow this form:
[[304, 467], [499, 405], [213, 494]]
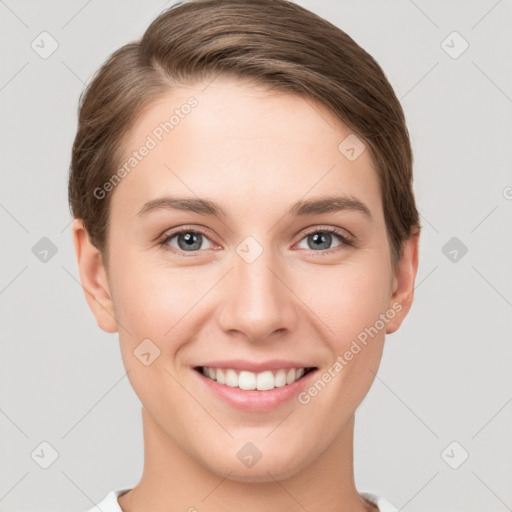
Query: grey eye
[[320, 240], [187, 240]]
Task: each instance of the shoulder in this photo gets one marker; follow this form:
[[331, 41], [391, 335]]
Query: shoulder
[[109, 503], [382, 504]]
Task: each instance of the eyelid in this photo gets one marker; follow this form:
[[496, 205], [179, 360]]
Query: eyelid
[[345, 236], [347, 239], [181, 229], [343, 233]]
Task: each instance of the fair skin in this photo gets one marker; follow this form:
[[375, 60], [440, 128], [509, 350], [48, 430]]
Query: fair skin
[[255, 153]]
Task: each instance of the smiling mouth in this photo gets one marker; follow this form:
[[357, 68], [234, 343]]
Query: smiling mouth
[[262, 381]]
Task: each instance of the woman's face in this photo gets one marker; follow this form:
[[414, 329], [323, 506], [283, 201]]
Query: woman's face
[[265, 286]]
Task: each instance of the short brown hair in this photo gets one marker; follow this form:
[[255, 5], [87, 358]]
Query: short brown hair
[[272, 42]]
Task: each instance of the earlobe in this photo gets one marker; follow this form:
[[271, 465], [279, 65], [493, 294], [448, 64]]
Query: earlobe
[[93, 278], [403, 290]]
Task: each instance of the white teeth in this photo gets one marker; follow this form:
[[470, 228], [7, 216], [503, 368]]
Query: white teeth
[[280, 379], [265, 381], [246, 380], [231, 379], [221, 376]]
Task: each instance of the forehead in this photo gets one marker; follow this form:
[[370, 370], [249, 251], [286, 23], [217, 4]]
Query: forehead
[[243, 144]]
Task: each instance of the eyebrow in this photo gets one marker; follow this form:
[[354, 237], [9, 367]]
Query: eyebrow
[[315, 206]]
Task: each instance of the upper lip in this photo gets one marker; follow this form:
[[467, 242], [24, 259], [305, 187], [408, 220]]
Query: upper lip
[[256, 367]]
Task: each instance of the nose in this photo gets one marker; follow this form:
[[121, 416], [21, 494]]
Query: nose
[[259, 302]]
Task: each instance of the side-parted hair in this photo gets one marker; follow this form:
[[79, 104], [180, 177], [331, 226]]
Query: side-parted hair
[[270, 42]]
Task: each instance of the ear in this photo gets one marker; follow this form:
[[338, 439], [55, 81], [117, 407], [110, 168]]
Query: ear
[[93, 278], [403, 281]]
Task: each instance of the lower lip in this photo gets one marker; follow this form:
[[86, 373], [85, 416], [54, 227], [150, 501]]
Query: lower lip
[[255, 400]]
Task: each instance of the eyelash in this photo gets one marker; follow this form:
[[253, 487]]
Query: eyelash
[[345, 239]]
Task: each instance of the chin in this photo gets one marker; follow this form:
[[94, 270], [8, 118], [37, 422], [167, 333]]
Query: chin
[[275, 466]]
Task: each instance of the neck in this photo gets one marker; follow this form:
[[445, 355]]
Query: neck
[[173, 480]]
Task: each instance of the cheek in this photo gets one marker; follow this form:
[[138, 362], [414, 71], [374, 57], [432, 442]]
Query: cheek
[[347, 299], [356, 302], [154, 303], [353, 298], [158, 302], [151, 299]]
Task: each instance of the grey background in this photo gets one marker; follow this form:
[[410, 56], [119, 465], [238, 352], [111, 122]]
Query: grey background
[[445, 375]]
